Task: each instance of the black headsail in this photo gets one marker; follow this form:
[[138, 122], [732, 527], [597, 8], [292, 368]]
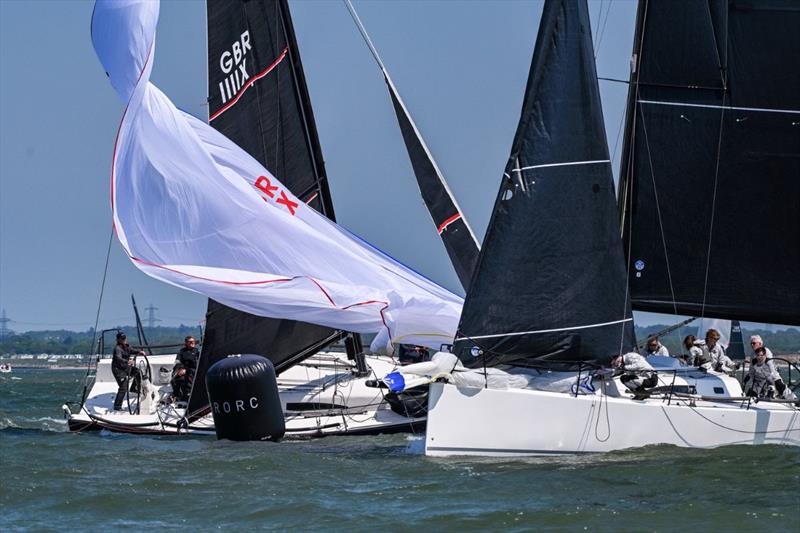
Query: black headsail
[[710, 181], [459, 240], [551, 282], [258, 98], [735, 349]]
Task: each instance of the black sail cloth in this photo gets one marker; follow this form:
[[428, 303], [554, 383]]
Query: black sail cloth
[[258, 99], [461, 245], [550, 283], [711, 175]]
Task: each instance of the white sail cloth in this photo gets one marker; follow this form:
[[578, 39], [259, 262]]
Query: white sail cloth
[[194, 210]]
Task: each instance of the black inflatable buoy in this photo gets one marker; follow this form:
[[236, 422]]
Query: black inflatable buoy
[[243, 392]]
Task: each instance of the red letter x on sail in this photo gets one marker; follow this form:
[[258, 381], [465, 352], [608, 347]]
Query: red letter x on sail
[[263, 184], [290, 205]]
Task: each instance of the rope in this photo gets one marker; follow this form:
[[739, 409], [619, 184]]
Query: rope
[[603, 399], [694, 409]]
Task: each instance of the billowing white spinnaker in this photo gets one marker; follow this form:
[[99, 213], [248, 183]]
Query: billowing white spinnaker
[[194, 210]]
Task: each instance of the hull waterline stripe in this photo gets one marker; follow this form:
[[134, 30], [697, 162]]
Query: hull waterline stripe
[[569, 164], [543, 330], [443, 225], [711, 106], [248, 84]]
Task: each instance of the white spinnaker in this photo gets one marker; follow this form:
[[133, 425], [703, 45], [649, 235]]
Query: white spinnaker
[[194, 210]]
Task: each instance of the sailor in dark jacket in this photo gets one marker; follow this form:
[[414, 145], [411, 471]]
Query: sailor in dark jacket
[[122, 368], [184, 369]]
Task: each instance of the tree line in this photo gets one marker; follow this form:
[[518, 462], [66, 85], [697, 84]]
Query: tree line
[[85, 342], [782, 342]]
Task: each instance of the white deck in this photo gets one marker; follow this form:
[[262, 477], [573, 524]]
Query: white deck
[[319, 396]]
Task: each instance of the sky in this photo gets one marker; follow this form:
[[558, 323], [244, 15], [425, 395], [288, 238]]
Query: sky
[[461, 68]]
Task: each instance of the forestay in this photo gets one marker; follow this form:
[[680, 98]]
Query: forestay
[[194, 210], [711, 168], [551, 284]]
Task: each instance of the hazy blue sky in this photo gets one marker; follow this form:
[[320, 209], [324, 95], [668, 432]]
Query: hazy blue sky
[[460, 66]]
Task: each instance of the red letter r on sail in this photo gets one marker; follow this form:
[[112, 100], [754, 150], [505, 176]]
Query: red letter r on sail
[[263, 184]]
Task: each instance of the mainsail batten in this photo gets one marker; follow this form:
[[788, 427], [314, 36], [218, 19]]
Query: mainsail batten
[[551, 283], [709, 183]]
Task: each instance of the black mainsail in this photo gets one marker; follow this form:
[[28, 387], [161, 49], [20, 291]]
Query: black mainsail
[[459, 240], [710, 180], [551, 282], [258, 98]]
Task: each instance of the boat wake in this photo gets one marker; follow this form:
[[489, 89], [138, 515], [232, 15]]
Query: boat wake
[[45, 424]]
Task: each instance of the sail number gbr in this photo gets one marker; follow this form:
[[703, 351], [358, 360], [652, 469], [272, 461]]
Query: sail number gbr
[[275, 193]]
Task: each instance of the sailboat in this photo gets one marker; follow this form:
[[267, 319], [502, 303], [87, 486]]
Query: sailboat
[[258, 99], [551, 292]]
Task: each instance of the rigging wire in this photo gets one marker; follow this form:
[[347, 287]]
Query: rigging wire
[[364, 35], [597, 27], [95, 338], [602, 28], [716, 165], [103, 285], [658, 211], [627, 198]]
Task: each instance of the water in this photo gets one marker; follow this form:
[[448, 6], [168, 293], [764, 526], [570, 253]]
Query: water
[[53, 480]]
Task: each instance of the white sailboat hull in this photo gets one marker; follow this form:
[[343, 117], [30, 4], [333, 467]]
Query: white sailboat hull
[[319, 397], [518, 422]]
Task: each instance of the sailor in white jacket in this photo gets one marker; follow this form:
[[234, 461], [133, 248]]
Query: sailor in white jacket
[[713, 355], [638, 374], [654, 347], [757, 342]]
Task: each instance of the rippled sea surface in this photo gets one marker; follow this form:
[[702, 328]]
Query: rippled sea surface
[[53, 480]]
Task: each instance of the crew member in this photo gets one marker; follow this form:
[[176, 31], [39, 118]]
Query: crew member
[[692, 352], [123, 369], [184, 370], [637, 373], [760, 376], [756, 343], [654, 347], [413, 354], [181, 383], [713, 355]]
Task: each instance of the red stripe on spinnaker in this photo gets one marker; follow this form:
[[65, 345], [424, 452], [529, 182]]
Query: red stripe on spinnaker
[[116, 140], [447, 222], [248, 84], [279, 280]]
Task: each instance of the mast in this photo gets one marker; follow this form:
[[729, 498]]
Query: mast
[[258, 98], [448, 218], [709, 182], [550, 287]]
